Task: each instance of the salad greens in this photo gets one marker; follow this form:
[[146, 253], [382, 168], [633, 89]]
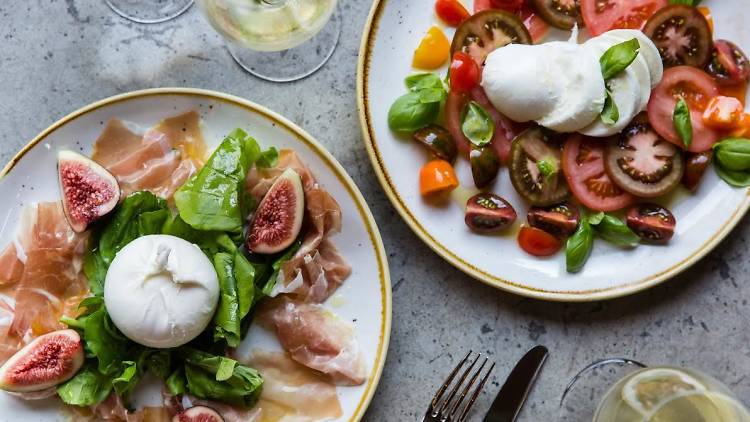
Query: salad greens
[[477, 125], [613, 62], [420, 106], [732, 161], [212, 208], [607, 226], [681, 122]]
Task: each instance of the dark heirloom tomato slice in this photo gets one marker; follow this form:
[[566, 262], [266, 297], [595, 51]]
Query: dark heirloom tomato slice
[[651, 222], [485, 164], [583, 164], [505, 129], [560, 220], [563, 14], [538, 242], [528, 149], [438, 141], [728, 64], [488, 213], [695, 167], [602, 15], [642, 162], [485, 31], [697, 87], [682, 35]]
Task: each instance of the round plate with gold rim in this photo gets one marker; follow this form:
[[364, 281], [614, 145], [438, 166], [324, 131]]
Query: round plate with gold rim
[[393, 30], [365, 297]]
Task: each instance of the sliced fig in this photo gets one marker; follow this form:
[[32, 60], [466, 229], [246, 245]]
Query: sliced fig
[[651, 222], [560, 220], [278, 219], [198, 414], [488, 213], [88, 190], [642, 162], [47, 361]]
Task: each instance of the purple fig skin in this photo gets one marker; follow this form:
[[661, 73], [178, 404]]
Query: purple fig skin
[[88, 190], [47, 361], [198, 414], [278, 219]]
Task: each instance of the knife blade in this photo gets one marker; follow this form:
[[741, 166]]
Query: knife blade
[[513, 393]]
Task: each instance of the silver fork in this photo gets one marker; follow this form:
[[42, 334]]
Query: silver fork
[[446, 409]]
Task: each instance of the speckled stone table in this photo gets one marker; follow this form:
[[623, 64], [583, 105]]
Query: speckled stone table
[[58, 55]]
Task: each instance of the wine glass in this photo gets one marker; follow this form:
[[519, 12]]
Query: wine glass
[[149, 11], [623, 390], [277, 40]]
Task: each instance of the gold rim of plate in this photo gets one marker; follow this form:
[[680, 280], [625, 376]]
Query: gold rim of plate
[[328, 159], [368, 135]]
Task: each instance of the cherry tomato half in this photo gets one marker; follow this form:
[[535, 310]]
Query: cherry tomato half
[[723, 113], [451, 12], [538, 242], [433, 50], [437, 176], [464, 72], [602, 15]]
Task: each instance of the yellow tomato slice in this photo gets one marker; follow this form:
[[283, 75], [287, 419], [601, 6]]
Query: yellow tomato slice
[[433, 50]]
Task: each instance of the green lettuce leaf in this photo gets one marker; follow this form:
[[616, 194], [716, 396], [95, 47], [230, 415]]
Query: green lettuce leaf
[[87, 388], [209, 377], [227, 317]]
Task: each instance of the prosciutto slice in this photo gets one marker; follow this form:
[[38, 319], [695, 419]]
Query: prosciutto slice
[[316, 338], [317, 269], [160, 161]]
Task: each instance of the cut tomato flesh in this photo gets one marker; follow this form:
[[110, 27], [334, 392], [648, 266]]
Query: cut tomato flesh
[[583, 165], [537, 27], [602, 15]]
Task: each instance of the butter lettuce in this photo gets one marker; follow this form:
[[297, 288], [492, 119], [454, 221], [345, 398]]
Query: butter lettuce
[[216, 377], [87, 388]]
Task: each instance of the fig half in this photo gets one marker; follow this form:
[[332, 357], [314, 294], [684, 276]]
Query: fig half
[[88, 190], [198, 414], [278, 219], [47, 361]]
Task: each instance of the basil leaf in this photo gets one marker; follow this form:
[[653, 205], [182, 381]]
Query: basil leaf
[[422, 81], [477, 125], [408, 113], [618, 57], [610, 113], [735, 178], [733, 154], [595, 219], [682, 123], [213, 198], [578, 247], [547, 168], [613, 230], [431, 95]]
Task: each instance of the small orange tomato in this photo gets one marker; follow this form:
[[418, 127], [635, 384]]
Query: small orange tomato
[[437, 176], [451, 12], [433, 51], [723, 112], [742, 130], [706, 12]]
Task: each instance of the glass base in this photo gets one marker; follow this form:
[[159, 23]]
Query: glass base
[[584, 392], [149, 11], [295, 63]]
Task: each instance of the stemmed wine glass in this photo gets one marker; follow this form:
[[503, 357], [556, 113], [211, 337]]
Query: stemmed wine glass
[[277, 40], [149, 11], [623, 390]]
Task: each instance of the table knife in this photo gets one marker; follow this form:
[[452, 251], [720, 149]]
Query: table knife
[[517, 386]]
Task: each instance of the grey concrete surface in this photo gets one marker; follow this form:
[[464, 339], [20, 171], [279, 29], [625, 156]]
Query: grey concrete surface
[[58, 55]]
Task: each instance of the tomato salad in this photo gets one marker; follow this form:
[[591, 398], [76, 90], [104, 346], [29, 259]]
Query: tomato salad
[[669, 103]]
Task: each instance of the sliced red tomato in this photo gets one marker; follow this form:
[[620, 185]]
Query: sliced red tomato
[[537, 27], [451, 12], [505, 129], [583, 165], [538, 242], [602, 15], [698, 88], [464, 72]]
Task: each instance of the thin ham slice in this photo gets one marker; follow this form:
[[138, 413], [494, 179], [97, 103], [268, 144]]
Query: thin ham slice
[[316, 338], [317, 269], [11, 268], [160, 161]]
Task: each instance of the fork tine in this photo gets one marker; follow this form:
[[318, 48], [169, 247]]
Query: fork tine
[[466, 389], [460, 381], [447, 382], [474, 396]]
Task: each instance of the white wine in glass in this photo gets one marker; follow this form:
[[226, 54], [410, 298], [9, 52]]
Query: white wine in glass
[[277, 40], [667, 394]]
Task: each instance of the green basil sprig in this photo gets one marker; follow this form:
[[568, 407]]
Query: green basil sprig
[[420, 106], [732, 161], [578, 247], [682, 123], [615, 231], [477, 125], [613, 62]]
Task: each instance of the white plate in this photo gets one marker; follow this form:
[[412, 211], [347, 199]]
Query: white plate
[[393, 31], [365, 297]]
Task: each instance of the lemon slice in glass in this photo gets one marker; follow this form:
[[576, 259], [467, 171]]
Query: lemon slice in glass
[[647, 389]]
